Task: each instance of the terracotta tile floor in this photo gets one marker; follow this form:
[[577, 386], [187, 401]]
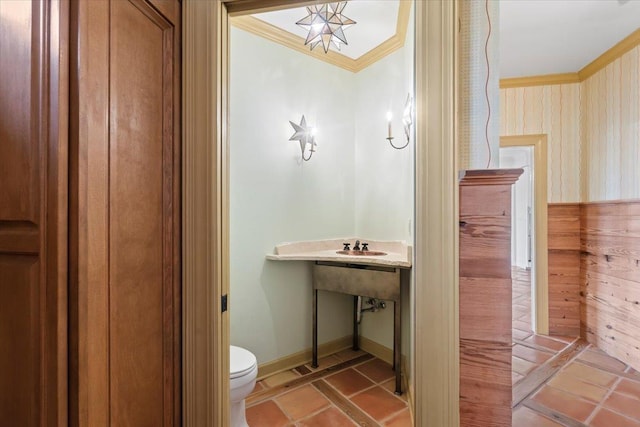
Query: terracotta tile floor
[[558, 381], [348, 389], [563, 381]]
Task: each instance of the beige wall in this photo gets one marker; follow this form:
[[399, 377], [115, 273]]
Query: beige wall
[[593, 130], [611, 127], [553, 110]]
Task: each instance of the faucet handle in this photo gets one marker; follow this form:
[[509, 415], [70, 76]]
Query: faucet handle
[[365, 246], [346, 246]]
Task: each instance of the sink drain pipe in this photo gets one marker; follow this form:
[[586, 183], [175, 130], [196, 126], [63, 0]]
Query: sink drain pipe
[[374, 305]]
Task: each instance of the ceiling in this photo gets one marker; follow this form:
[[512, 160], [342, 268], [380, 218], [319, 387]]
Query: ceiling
[[540, 37], [376, 21], [537, 37]]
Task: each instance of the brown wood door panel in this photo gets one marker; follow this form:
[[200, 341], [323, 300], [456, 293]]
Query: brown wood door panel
[[141, 91], [19, 105], [126, 333], [19, 340], [33, 213]]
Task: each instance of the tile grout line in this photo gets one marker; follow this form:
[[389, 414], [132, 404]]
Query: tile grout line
[[553, 415], [622, 374], [342, 403], [286, 413], [575, 346], [313, 414], [543, 348], [354, 412], [600, 404], [271, 392], [390, 417], [374, 385]]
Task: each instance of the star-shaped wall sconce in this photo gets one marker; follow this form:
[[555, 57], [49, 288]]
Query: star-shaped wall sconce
[[304, 135], [407, 117], [326, 25]]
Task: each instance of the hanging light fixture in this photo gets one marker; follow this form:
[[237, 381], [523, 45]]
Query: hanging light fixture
[[326, 25]]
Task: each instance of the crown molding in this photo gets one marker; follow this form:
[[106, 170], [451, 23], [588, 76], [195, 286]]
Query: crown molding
[[278, 35], [622, 47], [598, 64], [545, 80]]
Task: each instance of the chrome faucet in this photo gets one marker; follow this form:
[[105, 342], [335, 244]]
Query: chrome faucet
[[356, 246]]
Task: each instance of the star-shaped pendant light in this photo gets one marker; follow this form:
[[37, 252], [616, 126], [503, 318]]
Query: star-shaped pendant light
[[304, 135], [326, 25]]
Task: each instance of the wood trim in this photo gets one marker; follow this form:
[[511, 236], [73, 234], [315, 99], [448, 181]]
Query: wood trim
[[393, 43], [541, 272], [247, 7], [57, 222], [544, 80], [615, 52], [277, 35], [206, 331], [89, 215], [481, 177], [378, 350], [205, 328], [622, 47], [612, 202], [270, 32], [436, 339], [302, 357]]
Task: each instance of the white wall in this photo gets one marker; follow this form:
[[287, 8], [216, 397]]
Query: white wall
[[355, 184], [511, 158], [275, 197], [384, 175]]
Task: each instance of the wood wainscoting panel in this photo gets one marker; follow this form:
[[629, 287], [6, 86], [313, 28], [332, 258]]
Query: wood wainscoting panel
[[564, 268], [485, 297], [610, 278]]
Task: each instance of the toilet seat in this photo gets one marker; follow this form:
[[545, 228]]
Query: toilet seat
[[242, 362]]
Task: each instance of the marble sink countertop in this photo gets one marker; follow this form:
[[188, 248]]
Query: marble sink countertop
[[398, 252]]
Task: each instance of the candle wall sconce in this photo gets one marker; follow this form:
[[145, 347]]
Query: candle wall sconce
[[407, 121], [305, 135]]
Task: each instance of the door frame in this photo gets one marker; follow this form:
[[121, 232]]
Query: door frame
[[540, 269], [206, 210]]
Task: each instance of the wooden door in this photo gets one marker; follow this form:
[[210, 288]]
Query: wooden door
[[125, 208], [33, 213]]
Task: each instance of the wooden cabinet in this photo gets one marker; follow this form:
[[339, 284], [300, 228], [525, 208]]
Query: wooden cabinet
[[485, 297], [90, 213]]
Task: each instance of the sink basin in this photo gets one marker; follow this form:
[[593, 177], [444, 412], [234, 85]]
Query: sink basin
[[361, 253]]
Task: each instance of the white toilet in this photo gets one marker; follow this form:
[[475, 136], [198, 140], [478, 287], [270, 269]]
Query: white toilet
[[244, 370]]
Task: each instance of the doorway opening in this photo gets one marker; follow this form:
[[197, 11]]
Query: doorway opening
[[206, 215], [334, 187], [522, 238], [537, 144]]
